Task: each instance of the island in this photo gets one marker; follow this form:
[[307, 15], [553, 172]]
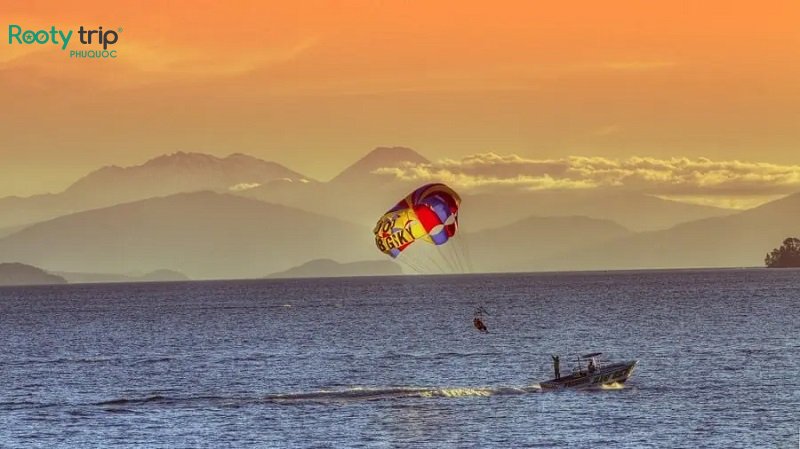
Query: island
[[21, 274], [96, 278], [787, 256], [330, 268]]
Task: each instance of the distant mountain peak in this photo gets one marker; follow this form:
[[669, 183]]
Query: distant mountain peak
[[176, 172], [181, 158], [241, 156], [394, 154], [380, 157]]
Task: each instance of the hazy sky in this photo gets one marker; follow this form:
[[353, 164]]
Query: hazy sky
[[315, 85]]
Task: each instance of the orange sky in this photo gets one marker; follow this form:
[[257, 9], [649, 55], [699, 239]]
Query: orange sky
[[316, 84]]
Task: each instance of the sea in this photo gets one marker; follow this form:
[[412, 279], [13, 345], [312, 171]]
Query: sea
[[391, 362]]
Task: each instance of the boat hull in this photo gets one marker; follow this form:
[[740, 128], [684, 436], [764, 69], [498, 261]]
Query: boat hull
[[605, 375]]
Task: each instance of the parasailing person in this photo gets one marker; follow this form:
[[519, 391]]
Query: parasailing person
[[478, 320]]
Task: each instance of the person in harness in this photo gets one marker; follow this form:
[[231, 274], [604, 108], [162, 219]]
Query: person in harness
[[478, 323], [478, 320]]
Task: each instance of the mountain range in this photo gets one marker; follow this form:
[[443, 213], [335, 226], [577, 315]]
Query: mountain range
[[634, 211], [239, 216], [164, 175], [203, 234], [514, 247], [737, 240]]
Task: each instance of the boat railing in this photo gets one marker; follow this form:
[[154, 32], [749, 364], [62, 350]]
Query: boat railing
[[594, 362]]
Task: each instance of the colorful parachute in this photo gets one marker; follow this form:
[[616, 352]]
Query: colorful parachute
[[429, 213]]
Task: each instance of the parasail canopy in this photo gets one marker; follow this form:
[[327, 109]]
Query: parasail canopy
[[429, 214]]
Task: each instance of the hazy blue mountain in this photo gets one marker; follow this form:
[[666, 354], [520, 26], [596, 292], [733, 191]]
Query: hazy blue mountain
[[203, 234], [739, 240], [635, 211], [164, 175], [153, 276], [513, 247], [21, 274], [330, 268]]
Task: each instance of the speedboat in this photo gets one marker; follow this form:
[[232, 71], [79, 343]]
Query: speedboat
[[590, 373]]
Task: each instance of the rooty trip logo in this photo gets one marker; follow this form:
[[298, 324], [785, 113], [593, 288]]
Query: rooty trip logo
[[54, 36]]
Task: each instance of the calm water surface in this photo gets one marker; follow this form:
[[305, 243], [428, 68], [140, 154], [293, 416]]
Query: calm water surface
[[394, 362]]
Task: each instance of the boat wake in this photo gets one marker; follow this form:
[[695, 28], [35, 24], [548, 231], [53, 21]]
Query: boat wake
[[342, 395], [332, 396], [368, 394]]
